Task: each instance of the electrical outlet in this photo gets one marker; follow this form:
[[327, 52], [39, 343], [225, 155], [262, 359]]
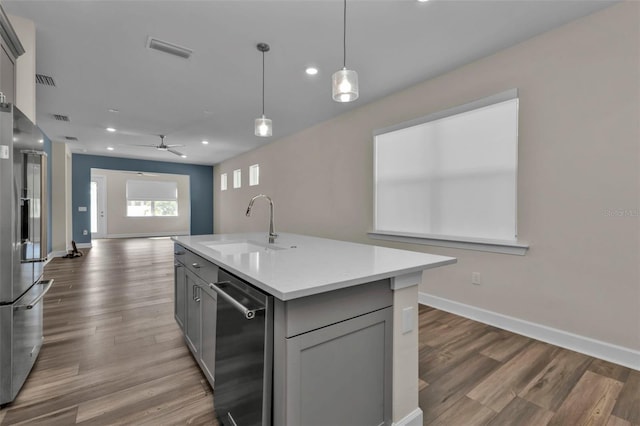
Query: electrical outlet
[[475, 278], [85, 232]]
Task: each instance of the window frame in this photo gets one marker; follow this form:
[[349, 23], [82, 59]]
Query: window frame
[[498, 246]]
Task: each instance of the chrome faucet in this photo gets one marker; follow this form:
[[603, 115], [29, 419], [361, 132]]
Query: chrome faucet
[[272, 232]]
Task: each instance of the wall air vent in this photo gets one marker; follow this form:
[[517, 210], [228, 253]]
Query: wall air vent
[[170, 48], [45, 80], [60, 117], [71, 138]]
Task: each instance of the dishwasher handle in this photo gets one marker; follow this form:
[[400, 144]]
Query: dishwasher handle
[[248, 313]]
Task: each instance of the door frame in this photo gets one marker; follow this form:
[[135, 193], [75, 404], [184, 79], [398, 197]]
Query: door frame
[[101, 201]]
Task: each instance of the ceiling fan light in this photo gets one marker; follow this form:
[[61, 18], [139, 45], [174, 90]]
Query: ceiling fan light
[[345, 85], [263, 127]]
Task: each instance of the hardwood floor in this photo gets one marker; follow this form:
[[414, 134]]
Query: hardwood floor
[[475, 374], [114, 355]]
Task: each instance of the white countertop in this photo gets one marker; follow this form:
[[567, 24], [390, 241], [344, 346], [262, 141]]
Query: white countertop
[[300, 265]]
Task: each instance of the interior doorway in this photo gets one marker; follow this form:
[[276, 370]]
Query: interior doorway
[[98, 207]]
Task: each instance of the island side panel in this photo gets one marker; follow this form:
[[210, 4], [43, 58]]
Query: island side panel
[[405, 408]]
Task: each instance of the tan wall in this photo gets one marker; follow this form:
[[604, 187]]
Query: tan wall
[[119, 225], [60, 198], [578, 157]]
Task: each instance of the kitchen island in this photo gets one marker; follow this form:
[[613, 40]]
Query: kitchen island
[[333, 323]]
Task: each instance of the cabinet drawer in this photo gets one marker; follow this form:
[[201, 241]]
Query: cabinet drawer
[[201, 267], [309, 313]]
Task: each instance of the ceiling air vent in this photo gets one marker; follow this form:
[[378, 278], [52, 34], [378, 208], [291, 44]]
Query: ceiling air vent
[[170, 48], [45, 80], [71, 138], [60, 117]]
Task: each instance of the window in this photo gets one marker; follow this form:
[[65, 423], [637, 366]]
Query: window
[[223, 182], [450, 175], [152, 198], [254, 175], [237, 178]]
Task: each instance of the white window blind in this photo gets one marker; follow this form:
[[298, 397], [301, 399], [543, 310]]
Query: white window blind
[[452, 174], [147, 190]]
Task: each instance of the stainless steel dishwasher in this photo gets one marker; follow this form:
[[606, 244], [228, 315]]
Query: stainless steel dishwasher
[[244, 353]]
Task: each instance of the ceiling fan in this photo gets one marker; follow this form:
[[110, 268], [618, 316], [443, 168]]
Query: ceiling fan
[[164, 147]]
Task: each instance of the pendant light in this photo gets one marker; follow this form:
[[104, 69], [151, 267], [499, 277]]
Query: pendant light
[[344, 81], [263, 125]]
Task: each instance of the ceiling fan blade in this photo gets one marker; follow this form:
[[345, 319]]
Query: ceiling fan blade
[[148, 146], [172, 146], [173, 151]]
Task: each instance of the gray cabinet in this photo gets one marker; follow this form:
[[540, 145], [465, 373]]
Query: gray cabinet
[[180, 291], [196, 306], [340, 374], [332, 357], [7, 75], [10, 49], [192, 326], [208, 313]]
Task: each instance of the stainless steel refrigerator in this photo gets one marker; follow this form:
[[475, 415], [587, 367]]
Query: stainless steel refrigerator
[[23, 247]]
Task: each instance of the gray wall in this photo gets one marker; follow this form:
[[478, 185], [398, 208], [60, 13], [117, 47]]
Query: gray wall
[[578, 161]]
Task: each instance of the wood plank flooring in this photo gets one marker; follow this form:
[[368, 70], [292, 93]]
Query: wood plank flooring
[[114, 355], [481, 375]]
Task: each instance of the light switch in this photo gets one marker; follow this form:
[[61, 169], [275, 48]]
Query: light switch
[[407, 320], [82, 209]]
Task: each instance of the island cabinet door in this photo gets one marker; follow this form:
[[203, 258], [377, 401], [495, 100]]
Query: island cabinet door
[[208, 309], [192, 317], [180, 292], [340, 374]]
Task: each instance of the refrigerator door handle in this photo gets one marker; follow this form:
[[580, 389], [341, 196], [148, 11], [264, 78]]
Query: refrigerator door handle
[[25, 232], [37, 300]]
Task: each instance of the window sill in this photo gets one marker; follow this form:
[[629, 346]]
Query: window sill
[[493, 246]]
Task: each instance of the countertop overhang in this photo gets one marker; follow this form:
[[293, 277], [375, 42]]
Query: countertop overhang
[[300, 265]]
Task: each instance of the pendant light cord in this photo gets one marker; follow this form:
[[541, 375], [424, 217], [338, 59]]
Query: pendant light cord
[[344, 36], [263, 83]]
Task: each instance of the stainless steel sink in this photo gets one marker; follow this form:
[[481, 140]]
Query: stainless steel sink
[[230, 248]]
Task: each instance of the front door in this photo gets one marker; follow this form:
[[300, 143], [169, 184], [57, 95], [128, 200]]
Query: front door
[[98, 207]]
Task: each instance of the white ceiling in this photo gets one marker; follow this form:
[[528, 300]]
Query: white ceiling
[[96, 52]]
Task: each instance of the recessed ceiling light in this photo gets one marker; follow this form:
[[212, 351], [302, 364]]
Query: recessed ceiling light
[[110, 148], [205, 142], [113, 110], [183, 156], [40, 140], [311, 71], [111, 129], [422, 1]]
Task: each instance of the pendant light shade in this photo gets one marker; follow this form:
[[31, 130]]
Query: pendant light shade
[[263, 125], [345, 85], [344, 82]]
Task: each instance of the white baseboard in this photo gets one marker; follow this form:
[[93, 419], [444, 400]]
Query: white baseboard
[[148, 234], [83, 245], [586, 345], [57, 253], [414, 418]]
